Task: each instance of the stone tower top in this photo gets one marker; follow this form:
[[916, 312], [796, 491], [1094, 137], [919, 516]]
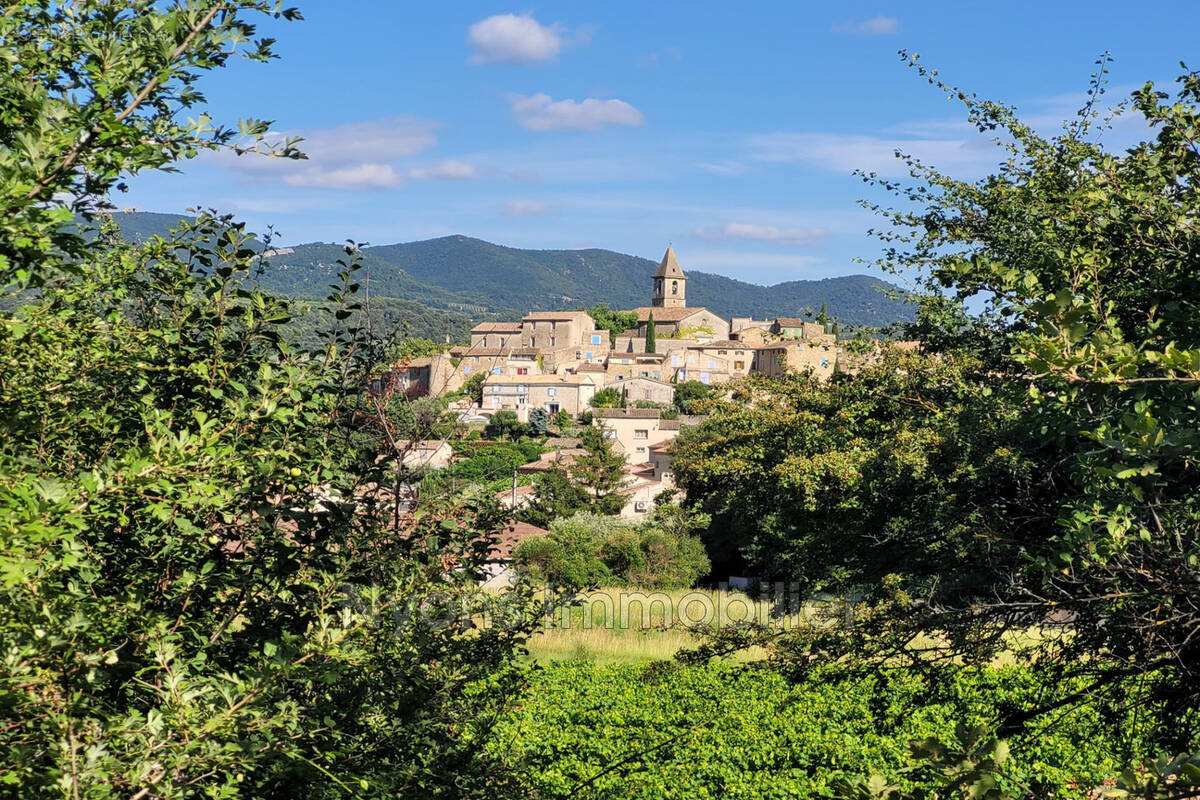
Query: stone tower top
[[670, 284]]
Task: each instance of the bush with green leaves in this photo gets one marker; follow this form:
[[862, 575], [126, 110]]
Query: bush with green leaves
[[505, 424], [203, 588], [606, 398], [1030, 482], [588, 550], [745, 732], [689, 393]]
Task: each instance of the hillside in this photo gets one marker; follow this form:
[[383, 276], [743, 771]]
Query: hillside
[[460, 272]]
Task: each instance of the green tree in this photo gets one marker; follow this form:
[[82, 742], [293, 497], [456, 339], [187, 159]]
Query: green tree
[[601, 472], [615, 322], [606, 398], [539, 422], [473, 387], [651, 335], [689, 393], [1051, 474], [556, 495], [204, 591], [505, 424]]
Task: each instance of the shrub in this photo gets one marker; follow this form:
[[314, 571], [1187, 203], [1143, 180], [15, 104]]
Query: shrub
[[591, 550]]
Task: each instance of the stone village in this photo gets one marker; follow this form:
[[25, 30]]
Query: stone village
[[559, 360]]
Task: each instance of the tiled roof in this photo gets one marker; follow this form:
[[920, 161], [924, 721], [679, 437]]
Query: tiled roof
[[549, 460], [627, 413], [669, 268], [666, 314], [789, 322], [513, 534], [721, 343], [669, 425], [589, 367], [555, 315]]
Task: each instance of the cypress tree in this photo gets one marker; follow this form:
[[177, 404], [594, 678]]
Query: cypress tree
[[651, 342]]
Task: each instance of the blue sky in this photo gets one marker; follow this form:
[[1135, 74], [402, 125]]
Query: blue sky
[[728, 129]]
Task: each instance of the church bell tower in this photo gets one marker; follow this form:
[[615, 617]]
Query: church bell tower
[[670, 284]]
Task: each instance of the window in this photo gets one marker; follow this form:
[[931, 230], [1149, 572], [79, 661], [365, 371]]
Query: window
[[799, 347], [824, 362], [739, 365], [466, 370], [495, 390], [674, 360], [641, 434], [704, 377], [552, 341], [552, 392], [595, 338], [641, 449], [588, 354], [522, 370], [609, 433], [712, 364], [496, 370], [722, 352], [674, 287], [683, 374]]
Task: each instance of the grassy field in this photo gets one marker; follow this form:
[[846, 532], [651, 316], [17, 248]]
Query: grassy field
[[636, 626]]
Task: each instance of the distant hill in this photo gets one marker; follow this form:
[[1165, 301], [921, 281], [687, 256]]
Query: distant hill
[[460, 272]]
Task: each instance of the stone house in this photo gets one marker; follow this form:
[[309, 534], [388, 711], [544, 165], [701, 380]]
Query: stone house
[[695, 365], [597, 372], [496, 335], [737, 355], [467, 361], [632, 431], [641, 388], [520, 393], [423, 455], [411, 379], [698, 324], [819, 355], [623, 366], [795, 328], [498, 569]]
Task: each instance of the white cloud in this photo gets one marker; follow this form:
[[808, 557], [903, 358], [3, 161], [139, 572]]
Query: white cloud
[[363, 176], [513, 39], [845, 153], [524, 208], [723, 167], [358, 155], [790, 237], [875, 26], [449, 170], [540, 112]]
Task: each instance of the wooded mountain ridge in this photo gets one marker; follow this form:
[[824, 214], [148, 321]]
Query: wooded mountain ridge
[[481, 278]]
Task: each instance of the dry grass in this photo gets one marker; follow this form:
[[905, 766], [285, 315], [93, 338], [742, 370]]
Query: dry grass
[[633, 625]]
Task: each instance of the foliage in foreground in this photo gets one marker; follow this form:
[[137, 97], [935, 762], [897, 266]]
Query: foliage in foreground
[[204, 587], [664, 732], [1039, 494]]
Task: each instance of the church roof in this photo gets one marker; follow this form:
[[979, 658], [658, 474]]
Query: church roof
[[672, 314], [669, 268]]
